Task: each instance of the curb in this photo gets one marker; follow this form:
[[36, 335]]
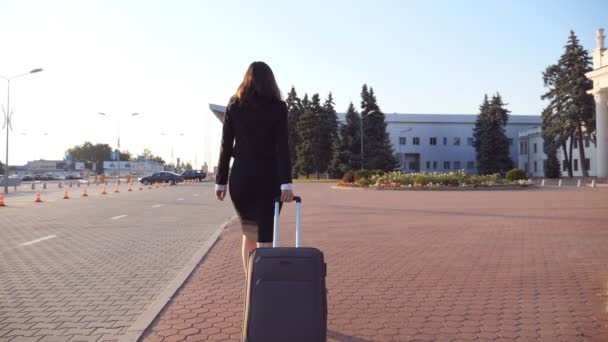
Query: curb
[[137, 330]]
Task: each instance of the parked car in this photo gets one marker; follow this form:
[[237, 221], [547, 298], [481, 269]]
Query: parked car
[[194, 174], [27, 178], [162, 177]]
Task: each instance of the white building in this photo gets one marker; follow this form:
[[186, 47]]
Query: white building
[[533, 159], [599, 76], [437, 142], [444, 142]]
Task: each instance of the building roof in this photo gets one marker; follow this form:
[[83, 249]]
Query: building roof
[[420, 118]]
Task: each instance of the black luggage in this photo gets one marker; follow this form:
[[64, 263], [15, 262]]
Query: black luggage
[[286, 298]]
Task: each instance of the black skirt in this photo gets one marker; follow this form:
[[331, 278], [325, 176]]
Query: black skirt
[[253, 188]]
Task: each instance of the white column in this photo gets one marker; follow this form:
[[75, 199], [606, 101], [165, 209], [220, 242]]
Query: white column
[[601, 121]]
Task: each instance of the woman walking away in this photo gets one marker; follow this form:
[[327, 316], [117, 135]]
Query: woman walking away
[[255, 135]]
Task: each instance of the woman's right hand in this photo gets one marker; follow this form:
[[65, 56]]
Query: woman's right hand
[[220, 194], [286, 196]]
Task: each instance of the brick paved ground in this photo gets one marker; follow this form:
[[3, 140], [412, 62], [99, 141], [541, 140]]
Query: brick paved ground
[[98, 274], [429, 266]]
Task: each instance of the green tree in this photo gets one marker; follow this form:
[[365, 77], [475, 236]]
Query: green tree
[[552, 167], [88, 152], [377, 149], [569, 114], [306, 129], [327, 133], [1, 168], [294, 111], [345, 158], [149, 156], [321, 139], [579, 106], [490, 141]]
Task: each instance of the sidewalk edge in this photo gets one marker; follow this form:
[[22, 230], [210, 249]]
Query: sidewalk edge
[[136, 331]]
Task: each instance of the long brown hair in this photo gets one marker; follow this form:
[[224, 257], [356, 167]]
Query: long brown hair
[[258, 84]]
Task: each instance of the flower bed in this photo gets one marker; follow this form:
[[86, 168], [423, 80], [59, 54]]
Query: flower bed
[[435, 181]]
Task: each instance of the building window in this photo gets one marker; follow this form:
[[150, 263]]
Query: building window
[[564, 165], [575, 143], [435, 165], [470, 165], [401, 140], [457, 141], [456, 165], [470, 141], [575, 164], [428, 165], [416, 141], [587, 164], [433, 141], [446, 165], [445, 141], [523, 147], [587, 141], [535, 149], [413, 166], [535, 165]]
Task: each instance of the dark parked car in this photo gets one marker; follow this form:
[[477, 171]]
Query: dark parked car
[[27, 178], [162, 177], [194, 174]]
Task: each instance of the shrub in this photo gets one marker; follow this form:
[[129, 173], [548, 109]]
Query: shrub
[[363, 173], [349, 177], [377, 172], [364, 182], [516, 174]]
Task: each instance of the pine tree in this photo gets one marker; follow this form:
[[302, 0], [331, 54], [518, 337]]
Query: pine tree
[[482, 146], [346, 152], [377, 149], [306, 130], [570, 111], [552, 168], [294, 111], [580, 106], [328, 134], [490, 141], [504, 162]]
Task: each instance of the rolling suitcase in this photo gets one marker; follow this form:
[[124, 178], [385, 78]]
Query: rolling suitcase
[[286, 298]]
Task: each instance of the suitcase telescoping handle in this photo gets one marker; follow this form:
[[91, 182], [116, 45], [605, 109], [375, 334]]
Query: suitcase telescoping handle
[[275, 240]]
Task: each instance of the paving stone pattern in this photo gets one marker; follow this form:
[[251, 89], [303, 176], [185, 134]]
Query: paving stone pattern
[[428, 266], [98, 275]]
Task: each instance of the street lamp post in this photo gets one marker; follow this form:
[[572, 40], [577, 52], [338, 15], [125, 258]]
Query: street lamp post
[[117, 141], [172, 144], [363, 117], [7, 118]]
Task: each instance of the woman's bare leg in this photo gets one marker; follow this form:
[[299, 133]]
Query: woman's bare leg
[[248, 246]]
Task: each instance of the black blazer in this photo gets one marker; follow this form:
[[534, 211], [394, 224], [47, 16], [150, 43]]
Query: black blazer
[[256, 136]]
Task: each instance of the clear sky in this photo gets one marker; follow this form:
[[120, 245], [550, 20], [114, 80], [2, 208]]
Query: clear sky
[[167, 60]]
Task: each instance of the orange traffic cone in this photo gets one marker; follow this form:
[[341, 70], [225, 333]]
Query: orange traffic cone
[[65, 194], [116, 188], [105, 190], [38, 199], [2, 204], [85, 193], [130, 187], [157, 185]]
